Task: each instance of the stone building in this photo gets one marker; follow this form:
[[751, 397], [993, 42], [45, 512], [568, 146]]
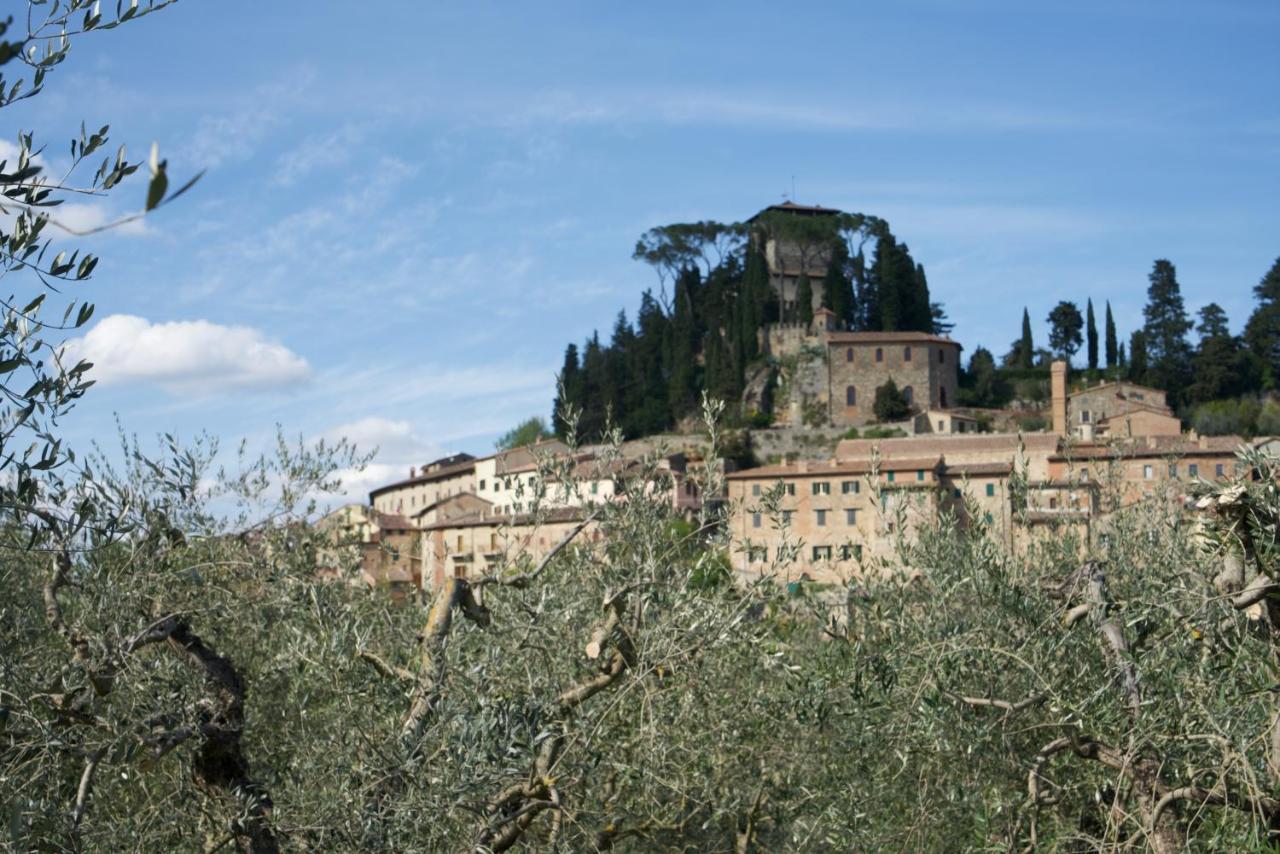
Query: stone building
[[834, 520], [924, 367], [1121, 409], [438, 479]]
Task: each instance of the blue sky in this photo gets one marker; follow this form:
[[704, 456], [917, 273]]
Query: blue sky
[[410, 211]]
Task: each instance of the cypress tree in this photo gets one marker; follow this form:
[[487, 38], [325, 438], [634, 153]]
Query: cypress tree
[[890, 286], [1091, 335], [1026, 347], [865, 302], [651, 413], [620, 391], [1113, 355], [682, 351], [594, 411], [804, 301], [1262, 331], [921, 312], [1168, 355], [837, 292], [568, 392]]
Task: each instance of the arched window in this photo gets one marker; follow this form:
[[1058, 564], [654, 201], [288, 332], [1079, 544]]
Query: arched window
[[942, 397], [906, 354], [906, 394], [879, 354], [848, 355], [850, 396]]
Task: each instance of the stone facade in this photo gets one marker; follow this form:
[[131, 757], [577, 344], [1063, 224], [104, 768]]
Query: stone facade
[[841, 518], [1089, 409], [924, 367]]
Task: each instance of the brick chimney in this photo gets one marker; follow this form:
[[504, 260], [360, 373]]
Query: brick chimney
[[412, 472], [1058, 389]]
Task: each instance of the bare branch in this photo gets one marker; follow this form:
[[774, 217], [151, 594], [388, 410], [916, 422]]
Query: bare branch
[[526, 578]]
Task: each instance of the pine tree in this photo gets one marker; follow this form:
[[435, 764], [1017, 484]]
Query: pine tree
[[1026, 348], [1217, 358], [1138, 366], [1113, 354], [1064, 329], [1091, 335], [804, 301], [1262, 332], [1168, 355]]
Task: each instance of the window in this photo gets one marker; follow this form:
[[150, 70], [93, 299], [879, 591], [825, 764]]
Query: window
[[851, 516], [907, 394], [850, 396], [851, 550], [755, 520], [821, 516], [919, 474], [848, 355], [1084, 416], [1193, 470], [942, 401], [786, 517], [1053, 504], [942, 356], [1147, 473], [755, 489], [1173, 470], [459, 543], [955, 493], [849, 486], [890, 476], [791, 489], [1137, 395], [1218, 470], [822, 552], [482, 484], [757, 553], [1084, 475], [595, 487], [942, 425], [821, 487], [987, 517], [991, 490], [879, 354], [906, 354]]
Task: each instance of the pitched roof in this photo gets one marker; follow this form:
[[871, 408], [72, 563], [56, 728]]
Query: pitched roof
[[826, 468], [442, 473], [1152, 447], [793, 208], [942, 445], [393, 522], [834, 338]]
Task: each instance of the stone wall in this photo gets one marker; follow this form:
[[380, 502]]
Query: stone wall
[[930, 373]]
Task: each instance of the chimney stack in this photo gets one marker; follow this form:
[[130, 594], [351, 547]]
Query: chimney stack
[[412, 472], [1058, 389]]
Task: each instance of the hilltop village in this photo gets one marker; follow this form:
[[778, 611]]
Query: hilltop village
[[820, 495]]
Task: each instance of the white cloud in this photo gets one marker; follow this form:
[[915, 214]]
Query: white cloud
[[186, 357], [398, 447]]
